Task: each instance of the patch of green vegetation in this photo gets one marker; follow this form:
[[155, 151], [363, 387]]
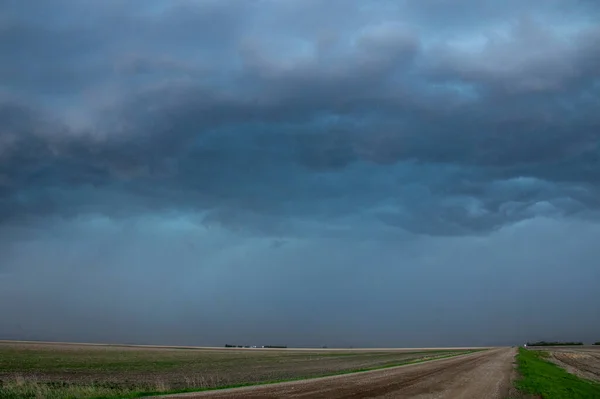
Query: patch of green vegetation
[[23, 359], [380, 354], [541, 377]]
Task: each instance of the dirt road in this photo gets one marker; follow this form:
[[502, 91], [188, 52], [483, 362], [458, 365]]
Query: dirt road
[[479, 375]]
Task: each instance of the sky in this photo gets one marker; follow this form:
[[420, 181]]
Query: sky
[[300, 172]]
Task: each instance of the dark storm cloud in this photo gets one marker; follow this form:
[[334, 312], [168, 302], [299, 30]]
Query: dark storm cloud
[[274, 109]]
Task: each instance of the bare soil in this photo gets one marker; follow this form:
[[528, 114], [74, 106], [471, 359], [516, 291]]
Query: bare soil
[[479, 375]]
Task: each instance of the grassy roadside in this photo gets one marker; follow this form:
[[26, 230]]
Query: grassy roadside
[[543, 378], [32, 389]]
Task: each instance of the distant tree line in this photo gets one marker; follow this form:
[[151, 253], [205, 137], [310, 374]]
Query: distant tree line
[[597, 343], [544, 343]]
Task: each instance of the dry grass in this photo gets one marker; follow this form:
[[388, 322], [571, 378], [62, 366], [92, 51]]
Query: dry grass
[[75, 371], [21, 388]]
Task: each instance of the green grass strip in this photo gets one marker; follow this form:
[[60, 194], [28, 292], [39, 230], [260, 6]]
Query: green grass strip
[[134, 395], [543, 378]]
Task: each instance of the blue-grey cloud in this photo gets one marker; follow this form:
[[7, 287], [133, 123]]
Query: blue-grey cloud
[[235, 102], [170, 279]]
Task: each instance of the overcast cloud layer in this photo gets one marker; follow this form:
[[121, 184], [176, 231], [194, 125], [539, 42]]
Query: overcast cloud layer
[[304, 172]]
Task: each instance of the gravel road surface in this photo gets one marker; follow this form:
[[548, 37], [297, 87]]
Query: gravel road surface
[[479, 375]]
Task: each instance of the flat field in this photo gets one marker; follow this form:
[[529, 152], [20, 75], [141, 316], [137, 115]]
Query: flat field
[[33, 370]]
